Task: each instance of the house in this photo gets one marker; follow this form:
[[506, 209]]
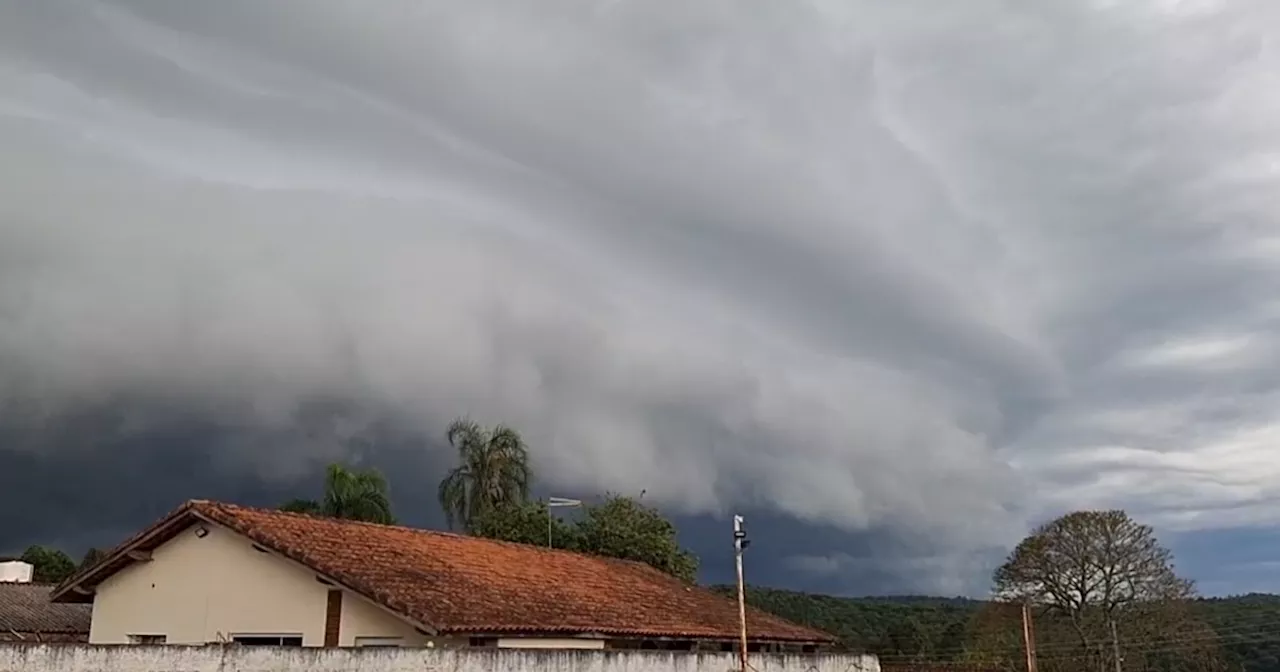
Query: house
[[27, 615], [211, 572]]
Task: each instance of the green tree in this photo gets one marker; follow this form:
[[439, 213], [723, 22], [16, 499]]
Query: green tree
[[619, 527], [527, 523], [966, 635], [349, 494], [493, 471], [49, 565], [622, 527], [91, 556], [307, 506]]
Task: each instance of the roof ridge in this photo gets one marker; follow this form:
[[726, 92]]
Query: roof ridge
[[421, 530], [316, 516]]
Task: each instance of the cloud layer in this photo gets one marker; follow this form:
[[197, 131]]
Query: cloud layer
[[939, 270]]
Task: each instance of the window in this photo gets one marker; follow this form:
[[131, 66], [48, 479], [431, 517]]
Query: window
[[148, 640], [268, 640], [379, 641]]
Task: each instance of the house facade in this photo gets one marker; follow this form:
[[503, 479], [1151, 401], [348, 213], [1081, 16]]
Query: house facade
[[219, 573], [210, 584]]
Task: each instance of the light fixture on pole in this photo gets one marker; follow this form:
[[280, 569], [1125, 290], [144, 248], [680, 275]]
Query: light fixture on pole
[[557, 502], [740, 544]]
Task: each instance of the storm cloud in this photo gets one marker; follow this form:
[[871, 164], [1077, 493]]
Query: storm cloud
[[918, 270]]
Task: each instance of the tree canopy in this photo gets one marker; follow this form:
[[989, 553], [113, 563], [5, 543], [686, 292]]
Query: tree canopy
[[493, 471], [622, 527], [90, 557], [525, 523], [957, 633], [487, 493], [49, 565], [1091, 563], [618, 527], [1097, 582], [350, 494]]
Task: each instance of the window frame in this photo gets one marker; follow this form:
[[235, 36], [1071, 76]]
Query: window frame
[[374, 642], [281, 637]]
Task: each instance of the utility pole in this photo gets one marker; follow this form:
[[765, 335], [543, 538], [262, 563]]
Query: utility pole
[[1028, 637], [740, 543], [1115, 645]]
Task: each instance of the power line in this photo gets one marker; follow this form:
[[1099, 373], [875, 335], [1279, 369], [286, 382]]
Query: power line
[[1241, 633]]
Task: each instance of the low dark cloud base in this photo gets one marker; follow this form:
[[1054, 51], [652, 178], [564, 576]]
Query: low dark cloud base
[[104, 485]]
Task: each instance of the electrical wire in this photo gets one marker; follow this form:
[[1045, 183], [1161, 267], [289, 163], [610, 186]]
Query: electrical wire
[[1251, 629]]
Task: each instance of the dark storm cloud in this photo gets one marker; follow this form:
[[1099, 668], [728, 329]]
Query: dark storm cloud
[[912, 272]]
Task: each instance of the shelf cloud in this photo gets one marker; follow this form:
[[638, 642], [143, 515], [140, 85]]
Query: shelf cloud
[[938, 270]]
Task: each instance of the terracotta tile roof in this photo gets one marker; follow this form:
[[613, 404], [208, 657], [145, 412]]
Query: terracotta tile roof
[[25, 610], [456, 584]]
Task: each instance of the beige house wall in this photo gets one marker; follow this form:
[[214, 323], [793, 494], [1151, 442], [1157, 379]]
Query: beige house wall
[[198, 590]]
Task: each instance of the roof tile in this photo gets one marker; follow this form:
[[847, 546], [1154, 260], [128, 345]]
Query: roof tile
[[25, 609], [462, 584]]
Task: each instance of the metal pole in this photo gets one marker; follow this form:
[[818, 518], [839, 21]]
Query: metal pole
[[554, 502], [738, 536]]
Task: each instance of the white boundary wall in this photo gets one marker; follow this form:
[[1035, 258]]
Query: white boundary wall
[[89, 658]]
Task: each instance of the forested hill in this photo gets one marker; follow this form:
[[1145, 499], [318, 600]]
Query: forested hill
[[940, 629]]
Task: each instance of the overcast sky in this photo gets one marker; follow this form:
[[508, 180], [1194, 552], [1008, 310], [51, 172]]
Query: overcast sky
[[900, 279]]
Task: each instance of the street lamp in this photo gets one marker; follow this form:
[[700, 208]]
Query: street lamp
[[557, 502]]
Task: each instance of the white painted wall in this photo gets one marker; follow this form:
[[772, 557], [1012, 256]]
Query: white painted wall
[[88, 658], [15, 571], [200, 590]]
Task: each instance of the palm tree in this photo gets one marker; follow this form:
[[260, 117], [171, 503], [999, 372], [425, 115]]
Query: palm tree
[[493, 470], [349, 494]]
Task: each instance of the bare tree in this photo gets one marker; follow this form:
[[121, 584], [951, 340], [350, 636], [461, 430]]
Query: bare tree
[[1105, 581]]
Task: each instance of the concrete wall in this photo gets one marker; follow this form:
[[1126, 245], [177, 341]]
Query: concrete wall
[[89, 658], [198, 590]]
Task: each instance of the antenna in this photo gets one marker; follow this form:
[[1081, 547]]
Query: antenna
[[553, 502]]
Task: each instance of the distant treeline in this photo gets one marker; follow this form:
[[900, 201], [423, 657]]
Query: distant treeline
[[910, 630]]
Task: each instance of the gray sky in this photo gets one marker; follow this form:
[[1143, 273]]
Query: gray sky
[[925, 271]]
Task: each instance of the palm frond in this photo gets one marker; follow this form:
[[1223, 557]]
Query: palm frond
[[453, 496], [493, 470]]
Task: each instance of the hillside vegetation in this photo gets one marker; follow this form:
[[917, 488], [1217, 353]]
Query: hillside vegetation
[[1245, 629]]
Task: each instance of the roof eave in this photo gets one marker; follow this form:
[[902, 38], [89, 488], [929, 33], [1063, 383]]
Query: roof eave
[[78, 588], [617, 633]]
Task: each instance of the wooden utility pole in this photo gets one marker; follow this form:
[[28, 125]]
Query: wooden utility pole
[[1028, 637]]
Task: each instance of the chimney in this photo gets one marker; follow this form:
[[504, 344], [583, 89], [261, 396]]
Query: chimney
[[15, 571]]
